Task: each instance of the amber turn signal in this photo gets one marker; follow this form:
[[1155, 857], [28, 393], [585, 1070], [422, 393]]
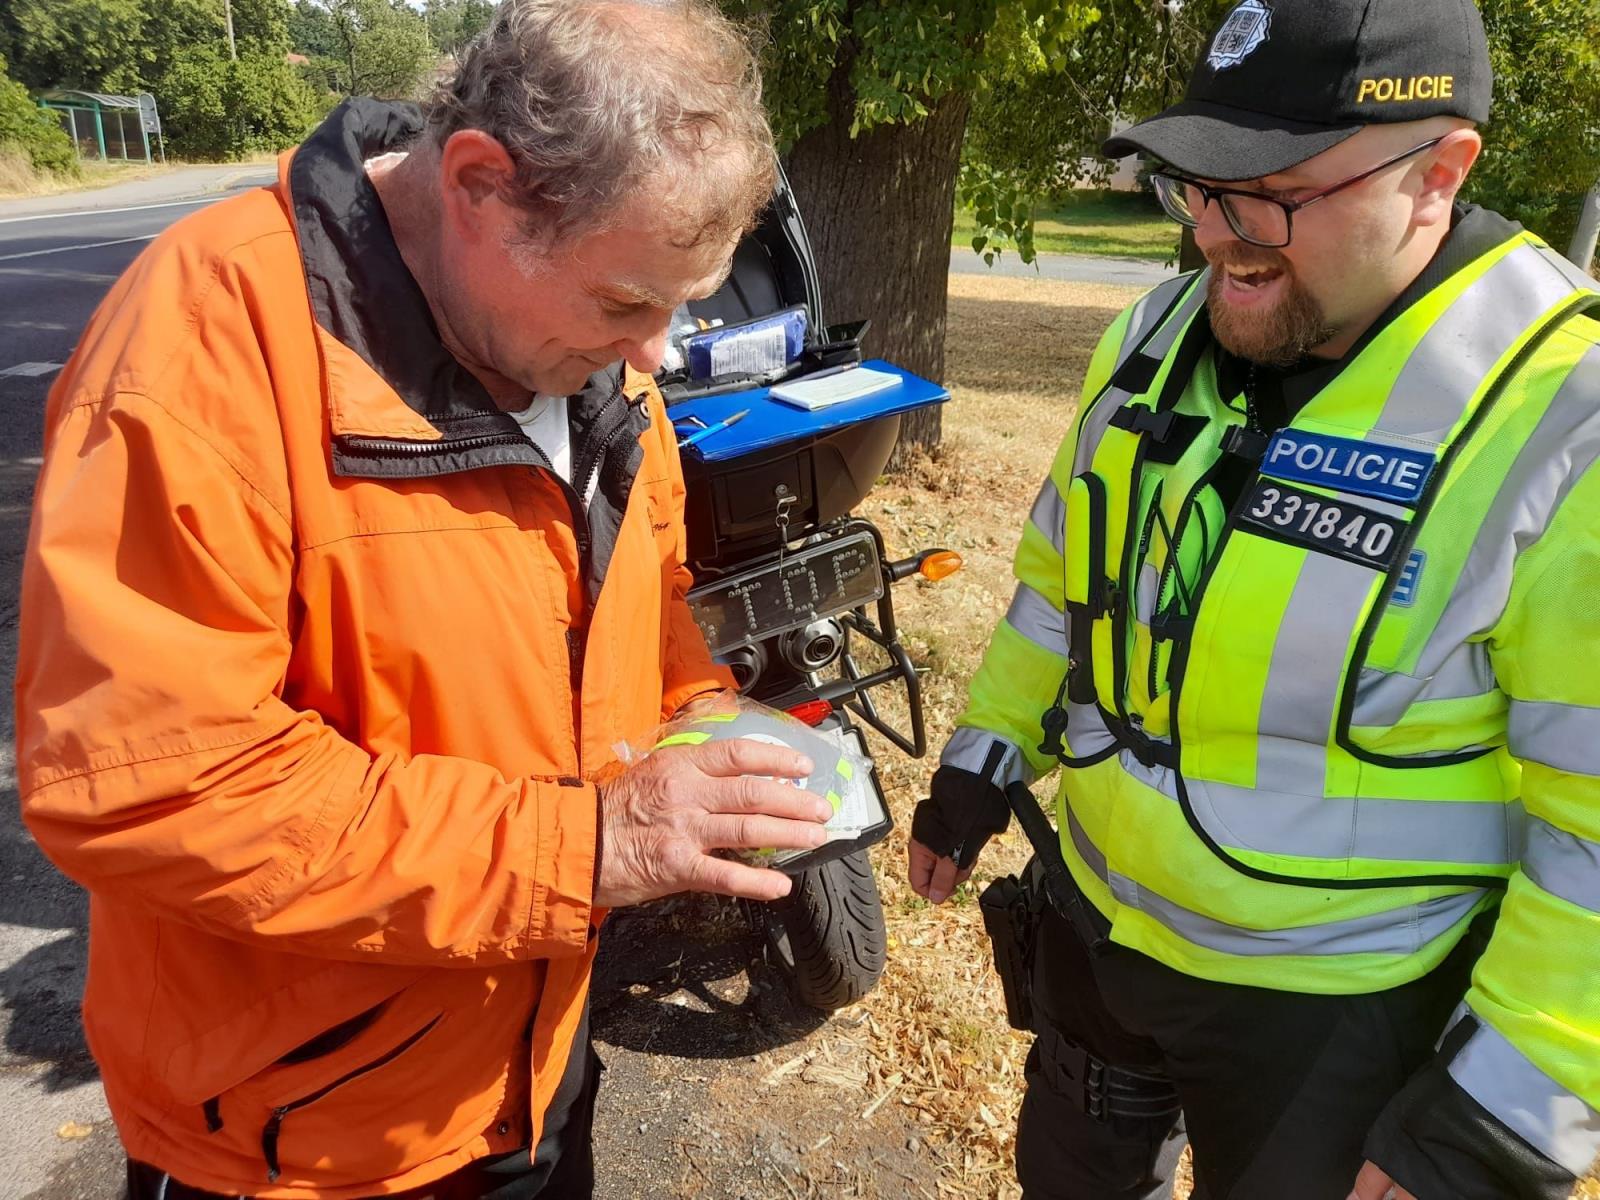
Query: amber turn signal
[[941, 564]]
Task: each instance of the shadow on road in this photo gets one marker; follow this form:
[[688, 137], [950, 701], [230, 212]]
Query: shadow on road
[[687, 977], [43, 952]]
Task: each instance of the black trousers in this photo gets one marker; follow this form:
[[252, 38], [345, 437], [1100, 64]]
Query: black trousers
[[1277, 1089], [562, 1168]]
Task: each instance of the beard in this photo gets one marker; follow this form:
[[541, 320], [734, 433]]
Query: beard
[[1278, 335]]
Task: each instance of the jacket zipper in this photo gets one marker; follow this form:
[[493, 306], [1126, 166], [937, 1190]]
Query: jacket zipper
[[270, 1131], [1150, 520], [597, 459], [376, 446]]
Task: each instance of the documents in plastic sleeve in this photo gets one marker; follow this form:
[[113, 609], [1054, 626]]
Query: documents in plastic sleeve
[[823, 391], [750, 351]]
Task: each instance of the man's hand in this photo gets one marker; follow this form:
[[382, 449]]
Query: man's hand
[[962, 812], [1373, 1183], [661, 819], [934, 876]]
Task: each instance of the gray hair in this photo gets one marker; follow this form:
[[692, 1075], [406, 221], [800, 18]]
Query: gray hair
[[596, 99]]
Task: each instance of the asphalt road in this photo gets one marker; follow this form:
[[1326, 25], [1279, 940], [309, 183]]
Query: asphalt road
[[56, 1140]]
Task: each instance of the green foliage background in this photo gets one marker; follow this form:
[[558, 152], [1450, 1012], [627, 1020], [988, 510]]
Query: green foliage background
[[28, 128], [213, 105], [1047, 78]]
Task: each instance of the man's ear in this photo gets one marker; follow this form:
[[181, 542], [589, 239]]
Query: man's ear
[[473, 168], [1444, 171]]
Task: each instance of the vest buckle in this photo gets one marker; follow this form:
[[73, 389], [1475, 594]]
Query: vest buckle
[[1169, 625], [1248, 444], [1054, 727], [1136, 418], [1108, 603]]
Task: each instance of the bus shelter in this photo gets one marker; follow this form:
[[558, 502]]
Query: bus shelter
[[105, 127]]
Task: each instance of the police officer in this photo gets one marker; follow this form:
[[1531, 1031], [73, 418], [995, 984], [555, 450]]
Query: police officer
[[1306, 612]]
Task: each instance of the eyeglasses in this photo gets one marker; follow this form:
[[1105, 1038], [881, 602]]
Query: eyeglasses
[[1255, 218]]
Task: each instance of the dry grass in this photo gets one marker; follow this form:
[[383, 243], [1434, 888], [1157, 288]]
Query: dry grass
[[935, 1029], [18, 178], [17, 175]]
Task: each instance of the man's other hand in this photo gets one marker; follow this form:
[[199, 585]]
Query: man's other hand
[[962, 812], [662, 818], [934, 876], [1373, 1183]]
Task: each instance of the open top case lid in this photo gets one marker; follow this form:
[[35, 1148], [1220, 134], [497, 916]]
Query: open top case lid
[[781, 472], [774, 271]]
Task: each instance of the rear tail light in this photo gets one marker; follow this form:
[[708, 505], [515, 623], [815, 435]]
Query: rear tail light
[[811, 712]]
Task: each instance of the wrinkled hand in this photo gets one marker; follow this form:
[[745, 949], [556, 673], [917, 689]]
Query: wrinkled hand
[[1374, 1183], [934, 876], [660, 820]]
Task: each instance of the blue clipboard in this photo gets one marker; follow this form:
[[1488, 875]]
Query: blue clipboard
[[772, 422]]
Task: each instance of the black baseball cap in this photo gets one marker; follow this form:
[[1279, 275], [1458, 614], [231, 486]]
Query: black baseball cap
[[1282, 80]]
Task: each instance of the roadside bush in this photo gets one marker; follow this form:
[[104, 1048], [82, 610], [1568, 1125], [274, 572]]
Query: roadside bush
[[32, 132], [216, 108]]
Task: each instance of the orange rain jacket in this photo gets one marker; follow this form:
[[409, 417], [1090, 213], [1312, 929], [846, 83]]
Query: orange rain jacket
[[318, 664]]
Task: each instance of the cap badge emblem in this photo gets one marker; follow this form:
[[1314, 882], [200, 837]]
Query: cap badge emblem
[[1244, 30]]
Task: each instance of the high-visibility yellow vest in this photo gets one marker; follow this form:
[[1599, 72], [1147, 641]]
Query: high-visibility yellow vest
[[1295, 758]]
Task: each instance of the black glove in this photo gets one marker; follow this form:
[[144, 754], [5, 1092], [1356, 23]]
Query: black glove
[[1439, 1143], [963, 812]]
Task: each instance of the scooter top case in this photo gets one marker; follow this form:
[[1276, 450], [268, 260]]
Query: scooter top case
[[781, 471]]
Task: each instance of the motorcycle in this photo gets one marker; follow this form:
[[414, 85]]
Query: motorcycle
[[789, 582]]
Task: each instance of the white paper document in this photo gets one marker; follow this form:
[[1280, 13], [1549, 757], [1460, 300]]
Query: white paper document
[[825, 390]]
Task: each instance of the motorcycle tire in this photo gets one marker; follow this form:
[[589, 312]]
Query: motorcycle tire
[[827, 935]]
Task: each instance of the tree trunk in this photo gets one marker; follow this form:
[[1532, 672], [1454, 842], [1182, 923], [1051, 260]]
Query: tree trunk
[[1189, 256], [1587, 234], [879, 210]]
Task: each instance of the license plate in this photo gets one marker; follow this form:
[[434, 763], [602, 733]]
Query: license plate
[[811, 583]]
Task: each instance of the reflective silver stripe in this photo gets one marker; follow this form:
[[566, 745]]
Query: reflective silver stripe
[[1086, 731], [1036, 619], [1146, 594], [1563, 864], [1564, 445], [1575, 275], [1403, 930], [968, 748], [1382, 697], [1308, 657], [1454, 357], [1563, 736], [1160, 345], [1476, 833], [1148, 308], [1049, 515], [1481, 834], [1554, 1121]]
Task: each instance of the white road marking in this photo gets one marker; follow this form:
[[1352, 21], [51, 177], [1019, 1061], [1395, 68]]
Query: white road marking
[[81, 246], [100, 212], [34, 369]]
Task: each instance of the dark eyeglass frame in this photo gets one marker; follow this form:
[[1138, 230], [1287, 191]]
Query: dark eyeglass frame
[[1289, 207]]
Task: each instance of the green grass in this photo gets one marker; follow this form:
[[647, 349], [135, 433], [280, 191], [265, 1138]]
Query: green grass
[[1116, 224]]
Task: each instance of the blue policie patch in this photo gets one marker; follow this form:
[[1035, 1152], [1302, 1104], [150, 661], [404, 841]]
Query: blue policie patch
[[1348, 465], [1405, 588]]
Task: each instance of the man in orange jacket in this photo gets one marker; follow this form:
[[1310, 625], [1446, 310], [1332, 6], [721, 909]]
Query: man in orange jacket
[[357, 546]]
